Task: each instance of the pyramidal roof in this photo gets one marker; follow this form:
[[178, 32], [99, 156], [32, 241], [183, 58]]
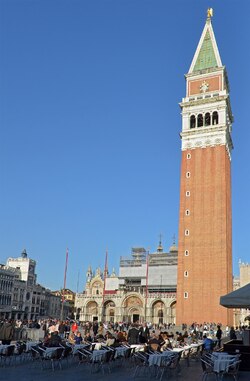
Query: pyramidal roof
[[207, 55]]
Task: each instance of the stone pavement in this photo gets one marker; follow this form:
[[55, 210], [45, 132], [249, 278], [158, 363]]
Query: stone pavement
[[31, 371]]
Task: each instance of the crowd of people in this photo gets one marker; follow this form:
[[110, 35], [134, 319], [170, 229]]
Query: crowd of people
[[158, 337]]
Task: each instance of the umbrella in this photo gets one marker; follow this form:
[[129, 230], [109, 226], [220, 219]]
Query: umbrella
[[237, 299]]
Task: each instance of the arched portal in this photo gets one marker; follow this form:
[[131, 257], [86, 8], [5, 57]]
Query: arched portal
[[91, 311], [109, 311], [133, 309], [158, 312]]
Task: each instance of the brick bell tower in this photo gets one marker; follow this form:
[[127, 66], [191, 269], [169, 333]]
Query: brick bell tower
[[205, 220]]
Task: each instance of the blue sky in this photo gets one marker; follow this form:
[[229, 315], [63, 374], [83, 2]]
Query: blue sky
[[90, 122]]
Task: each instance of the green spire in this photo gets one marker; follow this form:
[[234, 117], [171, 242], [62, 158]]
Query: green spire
[[206, 58]]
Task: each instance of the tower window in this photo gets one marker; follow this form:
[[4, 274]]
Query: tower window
[[189, 156], [186, 253], [187, 175], [207, 119], [192, 121], [185, 295], [186, 232], [215, 118], [187, 193], [185, 274], [200, 120], [187, 212]]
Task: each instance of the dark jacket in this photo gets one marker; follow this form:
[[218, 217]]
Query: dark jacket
[[143, 334], [6, 331], [133, 335]]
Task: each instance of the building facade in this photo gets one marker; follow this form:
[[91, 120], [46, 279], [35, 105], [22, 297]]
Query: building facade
[[21, 297], [144, 290], [205, 219], [243, 279]]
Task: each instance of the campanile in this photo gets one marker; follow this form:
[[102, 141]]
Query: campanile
[[205, 219]]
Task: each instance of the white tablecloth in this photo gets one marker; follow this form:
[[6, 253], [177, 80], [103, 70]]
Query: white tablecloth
[[30, 344], [49, 351], [158, 359], [222, 360], [98, 355], [138, 347], [221, 364], [178, 350], [121, 351], [77, 347], [3, 348]]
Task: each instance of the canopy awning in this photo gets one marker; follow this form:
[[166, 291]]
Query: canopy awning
[[237, 299]]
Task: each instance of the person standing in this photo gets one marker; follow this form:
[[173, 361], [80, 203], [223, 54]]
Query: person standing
[[7, 332], [143, 333], [133, 335], [232, 334], [219, 335], [95, 327]]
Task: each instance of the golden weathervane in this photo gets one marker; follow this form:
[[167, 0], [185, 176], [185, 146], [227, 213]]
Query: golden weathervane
[[209, 13]]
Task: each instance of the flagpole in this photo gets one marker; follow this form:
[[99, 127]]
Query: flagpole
[[146, 298], [64, 282], [104, 286]]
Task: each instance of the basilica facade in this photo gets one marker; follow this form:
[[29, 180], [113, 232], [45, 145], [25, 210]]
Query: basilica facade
[[144, 289]]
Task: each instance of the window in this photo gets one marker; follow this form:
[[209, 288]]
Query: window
[[186, 253], [187, 212], [187, 175], [185, 295], [200, 120], [215, 118], [189, 156], [207, 119], [186, 232], [186, 274], [187, 193], [192, 121]]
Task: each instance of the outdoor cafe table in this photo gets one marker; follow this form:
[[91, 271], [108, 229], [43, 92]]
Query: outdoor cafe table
[[159, 358], [221, 361], [3, 348], [121, 351], [48, 352], [30, 344], [78, 347], [98, 355], [138, 347]]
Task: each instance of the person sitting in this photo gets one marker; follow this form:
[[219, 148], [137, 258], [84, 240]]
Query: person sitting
[[121, 337], [46, 340], [78, 338], [71, 338], [110, 340], [53, 340], [208, 344], [154, 342], [88, 338], [179, 338], [165, 342]]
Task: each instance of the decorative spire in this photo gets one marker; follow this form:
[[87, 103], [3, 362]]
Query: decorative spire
[[207, 56], [24, 253], [89, 274], [160, 248], [174, 240], [173, 248]]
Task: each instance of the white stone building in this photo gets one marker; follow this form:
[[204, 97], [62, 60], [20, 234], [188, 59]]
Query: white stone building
[[144, 290]]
